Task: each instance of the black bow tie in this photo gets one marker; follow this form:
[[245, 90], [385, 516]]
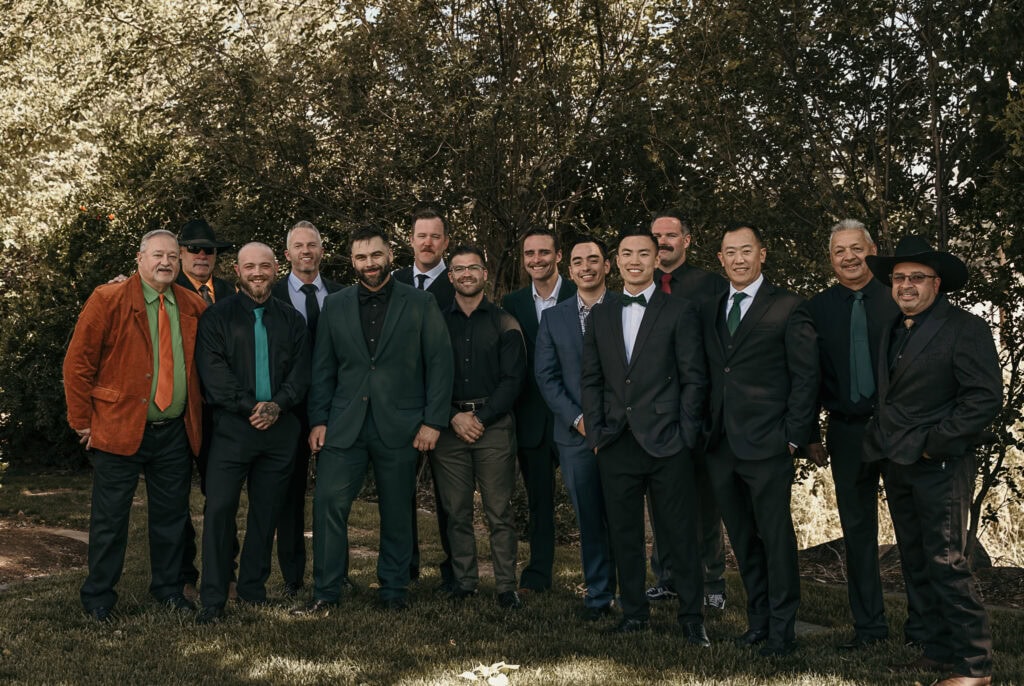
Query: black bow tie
[[640, 300], [368, 297]]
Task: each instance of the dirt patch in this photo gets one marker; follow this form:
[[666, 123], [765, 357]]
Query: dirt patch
[[27, 552]]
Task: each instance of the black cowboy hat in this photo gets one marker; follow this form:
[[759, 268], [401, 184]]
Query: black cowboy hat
[[199, 234], [951, 270]]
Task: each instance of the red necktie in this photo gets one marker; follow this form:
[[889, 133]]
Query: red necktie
[[665, 287], [165, 377]]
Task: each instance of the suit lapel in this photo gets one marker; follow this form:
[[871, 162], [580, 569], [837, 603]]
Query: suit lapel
[[718, 304], [394, 314], [920, 338], [651, 313], [614, 307], [351, 325], [762, 303], [883, 364]]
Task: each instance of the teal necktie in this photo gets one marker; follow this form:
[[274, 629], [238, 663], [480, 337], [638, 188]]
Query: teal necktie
[[733, 320], [862, 379], [262, 358]]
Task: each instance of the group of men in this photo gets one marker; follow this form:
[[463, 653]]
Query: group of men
[[688, 391]]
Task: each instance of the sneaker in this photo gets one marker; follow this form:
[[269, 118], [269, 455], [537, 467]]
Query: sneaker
[[661, 593], [714, 600]]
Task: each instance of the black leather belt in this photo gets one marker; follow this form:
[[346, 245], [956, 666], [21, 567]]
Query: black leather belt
[[469, 405], [849, 418], [162, 423]]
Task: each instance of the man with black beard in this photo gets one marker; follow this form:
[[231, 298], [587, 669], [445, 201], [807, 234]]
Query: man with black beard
[[253, 358], [382, 392]]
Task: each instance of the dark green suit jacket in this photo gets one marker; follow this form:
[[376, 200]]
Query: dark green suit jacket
[[534, 423], [406, 384]]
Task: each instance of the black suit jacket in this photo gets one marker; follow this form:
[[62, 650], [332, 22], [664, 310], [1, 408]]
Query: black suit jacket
[[659, 394], [694, 283], [534, 423], [280, 289], [221, 288], [946, 389], [441, 287], [764, 379]]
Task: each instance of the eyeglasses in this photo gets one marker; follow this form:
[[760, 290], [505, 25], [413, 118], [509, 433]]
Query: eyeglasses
[[475, 268], [917, 278], [196, 249]]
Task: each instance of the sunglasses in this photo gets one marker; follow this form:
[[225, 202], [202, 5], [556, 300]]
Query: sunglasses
[[196, 249]]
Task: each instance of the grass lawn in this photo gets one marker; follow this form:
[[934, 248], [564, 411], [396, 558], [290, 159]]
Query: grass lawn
[[46, 639]]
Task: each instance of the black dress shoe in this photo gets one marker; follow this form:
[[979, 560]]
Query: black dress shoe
[[777, 649], [393, 604], [752, 637], [861, 642], [510, 600], [291, 589], [177, 601], [630, 626], [100, 614], [696, 635], [210, 614], [596, 613], [462, 593], [314, 607]]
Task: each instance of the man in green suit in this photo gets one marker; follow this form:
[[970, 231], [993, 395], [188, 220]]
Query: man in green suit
[[381, 392]]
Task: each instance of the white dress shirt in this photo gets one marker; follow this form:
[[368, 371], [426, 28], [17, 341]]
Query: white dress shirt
[[540, 304], [431, 275], [751, 292], [632, 316], [298, 298]]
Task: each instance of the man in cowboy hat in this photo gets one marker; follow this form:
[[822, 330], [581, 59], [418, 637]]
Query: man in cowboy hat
[[939, 387], [199, 248]]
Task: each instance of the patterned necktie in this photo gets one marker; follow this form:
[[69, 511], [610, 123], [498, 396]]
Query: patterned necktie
[[262, 357], [204, 291], [733, 320], [165, 376], [666, 283], [312, 307], [421, 279], [862, 382], [640, 300]]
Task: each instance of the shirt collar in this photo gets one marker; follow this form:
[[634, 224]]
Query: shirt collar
[[554, 292], [580, 304], [151, 294], [648, 292], [296, 284], [196, 283], [433, 273], [750, 290]]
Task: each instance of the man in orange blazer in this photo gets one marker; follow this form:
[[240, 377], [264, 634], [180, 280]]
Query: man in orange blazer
[[133, 398]]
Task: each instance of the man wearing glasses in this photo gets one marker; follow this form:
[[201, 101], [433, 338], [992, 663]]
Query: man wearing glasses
[[939, 387]]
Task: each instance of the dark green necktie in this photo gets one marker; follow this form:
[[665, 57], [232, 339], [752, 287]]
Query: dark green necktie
[[262, 358], [733, 320], [862, 378]]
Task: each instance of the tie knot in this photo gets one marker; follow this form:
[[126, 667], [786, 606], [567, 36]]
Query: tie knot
[[908, 322], [161, 296], [420, 279], [308, 288], [858, 295], [738, 297], [258, 313]]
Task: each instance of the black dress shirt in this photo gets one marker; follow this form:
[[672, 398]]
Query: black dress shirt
[[693, 282], [831, 312], [901, 333], [490, 358], [373, 307], [226, 355]]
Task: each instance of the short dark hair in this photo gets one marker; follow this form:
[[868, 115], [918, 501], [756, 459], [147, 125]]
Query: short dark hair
[[466, 249], [428, 211], [672, 213], [580, 240], [368, 233], [642, 230], [541, 231], [739, 226]]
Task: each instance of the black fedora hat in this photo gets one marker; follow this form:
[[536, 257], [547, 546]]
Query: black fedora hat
[[951, 270], [199, 234]]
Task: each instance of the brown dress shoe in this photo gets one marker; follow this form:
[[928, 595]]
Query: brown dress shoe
[[961, 680]]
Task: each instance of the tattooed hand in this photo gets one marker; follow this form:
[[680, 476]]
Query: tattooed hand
[[264, 415]]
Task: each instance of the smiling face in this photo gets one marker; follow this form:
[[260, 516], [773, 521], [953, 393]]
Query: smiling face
[[257, 270], [372, 261], [847, 250], [540, 258], [588, 268], [428, 243], [637, 258], [742, 256], [914, 298], [672, 242], [467, 274], [304, 252], [158, 261]]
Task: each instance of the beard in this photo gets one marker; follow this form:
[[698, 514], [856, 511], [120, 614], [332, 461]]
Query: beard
[[469, 290], [257, 291], [374, 281]]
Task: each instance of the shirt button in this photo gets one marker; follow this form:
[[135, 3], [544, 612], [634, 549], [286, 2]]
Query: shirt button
[[727, 370], [629, 409], [627, 381], [365, 398]]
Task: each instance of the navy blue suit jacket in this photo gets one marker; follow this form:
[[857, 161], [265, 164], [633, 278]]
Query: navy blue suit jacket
[[558, 366]]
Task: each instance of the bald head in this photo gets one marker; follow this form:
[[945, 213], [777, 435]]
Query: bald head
[[257, 270]]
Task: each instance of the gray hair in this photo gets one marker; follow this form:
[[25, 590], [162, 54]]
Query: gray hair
[[302, 225], [850, 225], [153, 234]]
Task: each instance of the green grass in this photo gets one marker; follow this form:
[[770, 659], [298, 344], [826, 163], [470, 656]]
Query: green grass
[[46, 639]]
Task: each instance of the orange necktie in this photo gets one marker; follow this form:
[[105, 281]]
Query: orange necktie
[[165, 378]]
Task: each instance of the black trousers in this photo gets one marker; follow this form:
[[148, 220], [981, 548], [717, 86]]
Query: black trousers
[[163, 458], [929, 501], [754, 498], [538, 469], [447, 576], [291, 521], [627, 473], [241, 453], [857, 497], [712, 537]]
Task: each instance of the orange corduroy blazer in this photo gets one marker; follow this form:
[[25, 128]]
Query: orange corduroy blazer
[[108, 368]]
